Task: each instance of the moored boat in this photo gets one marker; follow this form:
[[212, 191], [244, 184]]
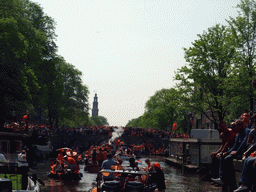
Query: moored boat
[[16, 175]]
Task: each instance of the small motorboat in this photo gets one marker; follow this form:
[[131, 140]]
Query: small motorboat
[[58, 172], [66, 176], [125, 180]]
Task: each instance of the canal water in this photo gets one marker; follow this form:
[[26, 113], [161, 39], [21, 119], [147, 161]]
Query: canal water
[[177, 179]]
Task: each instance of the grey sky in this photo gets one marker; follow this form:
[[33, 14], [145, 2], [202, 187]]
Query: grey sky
[[129, 49]]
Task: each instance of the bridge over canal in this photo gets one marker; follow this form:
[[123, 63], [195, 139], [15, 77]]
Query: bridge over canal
[[65, 140]]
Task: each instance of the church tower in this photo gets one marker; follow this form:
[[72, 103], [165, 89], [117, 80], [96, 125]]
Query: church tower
[[95, 109]]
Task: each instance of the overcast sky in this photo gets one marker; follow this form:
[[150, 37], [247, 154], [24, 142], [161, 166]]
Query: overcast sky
[[129, 49]]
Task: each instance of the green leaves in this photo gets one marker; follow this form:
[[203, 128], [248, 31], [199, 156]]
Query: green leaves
[[30, 70]]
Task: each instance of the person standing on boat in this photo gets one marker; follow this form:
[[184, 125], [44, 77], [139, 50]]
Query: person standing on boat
[[158, 177], [132, 162], [22, 159], [23, 167], [3, 161]]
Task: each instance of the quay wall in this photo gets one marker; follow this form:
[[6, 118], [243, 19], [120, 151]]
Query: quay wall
[[193, 151]]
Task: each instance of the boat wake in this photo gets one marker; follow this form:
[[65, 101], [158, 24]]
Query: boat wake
[[117, 132]]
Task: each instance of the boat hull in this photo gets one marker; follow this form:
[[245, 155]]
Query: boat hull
[[66, 176]]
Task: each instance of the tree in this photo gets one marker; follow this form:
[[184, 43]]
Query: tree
[[67, 96], [161, 109], [206, 82], [134, 122], [17, 77], [32, 75], [244, 31], [100, 120]]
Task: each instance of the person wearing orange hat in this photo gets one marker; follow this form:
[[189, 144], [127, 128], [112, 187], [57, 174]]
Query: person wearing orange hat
[[158, 177]]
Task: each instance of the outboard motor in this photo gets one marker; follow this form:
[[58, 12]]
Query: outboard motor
[[111, 186], [5, 185], [134, 186]]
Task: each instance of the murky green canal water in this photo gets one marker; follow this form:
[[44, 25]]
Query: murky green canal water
[[176, 180]]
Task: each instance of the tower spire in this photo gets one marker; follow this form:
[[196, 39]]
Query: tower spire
[[95, 109]]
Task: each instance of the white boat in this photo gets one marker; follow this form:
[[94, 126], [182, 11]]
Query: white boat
[[16, 176]]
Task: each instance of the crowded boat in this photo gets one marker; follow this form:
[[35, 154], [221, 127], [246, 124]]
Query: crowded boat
[[115, 177], [66, 165], [16, 173]]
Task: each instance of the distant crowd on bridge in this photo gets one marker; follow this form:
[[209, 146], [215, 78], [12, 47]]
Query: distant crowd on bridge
[[45, 130]]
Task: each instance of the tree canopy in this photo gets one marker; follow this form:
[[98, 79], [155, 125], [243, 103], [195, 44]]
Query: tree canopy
[[34, 79]]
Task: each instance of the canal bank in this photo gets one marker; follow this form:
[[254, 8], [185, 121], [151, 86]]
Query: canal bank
[[193, 155]]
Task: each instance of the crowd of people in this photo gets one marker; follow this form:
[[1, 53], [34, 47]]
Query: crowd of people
[[238, 142], [32, 128]]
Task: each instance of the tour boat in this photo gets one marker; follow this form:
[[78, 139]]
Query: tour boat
[[15, 176], [125, 180]]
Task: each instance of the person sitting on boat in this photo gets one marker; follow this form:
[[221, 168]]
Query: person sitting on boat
[[107, 165], [22, 159], [60, 157], [57, 168], [127, 179], [158, 177], [138, 179], [149, 165], [119, 164], [136, 168], [70, 163]]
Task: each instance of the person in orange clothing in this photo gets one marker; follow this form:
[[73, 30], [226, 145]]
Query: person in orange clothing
[[117, 143], [70, 162], [52, 165], [100, 156], [119, 164], [76, 169], [158, 177], [149, 166], [60, 157]]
